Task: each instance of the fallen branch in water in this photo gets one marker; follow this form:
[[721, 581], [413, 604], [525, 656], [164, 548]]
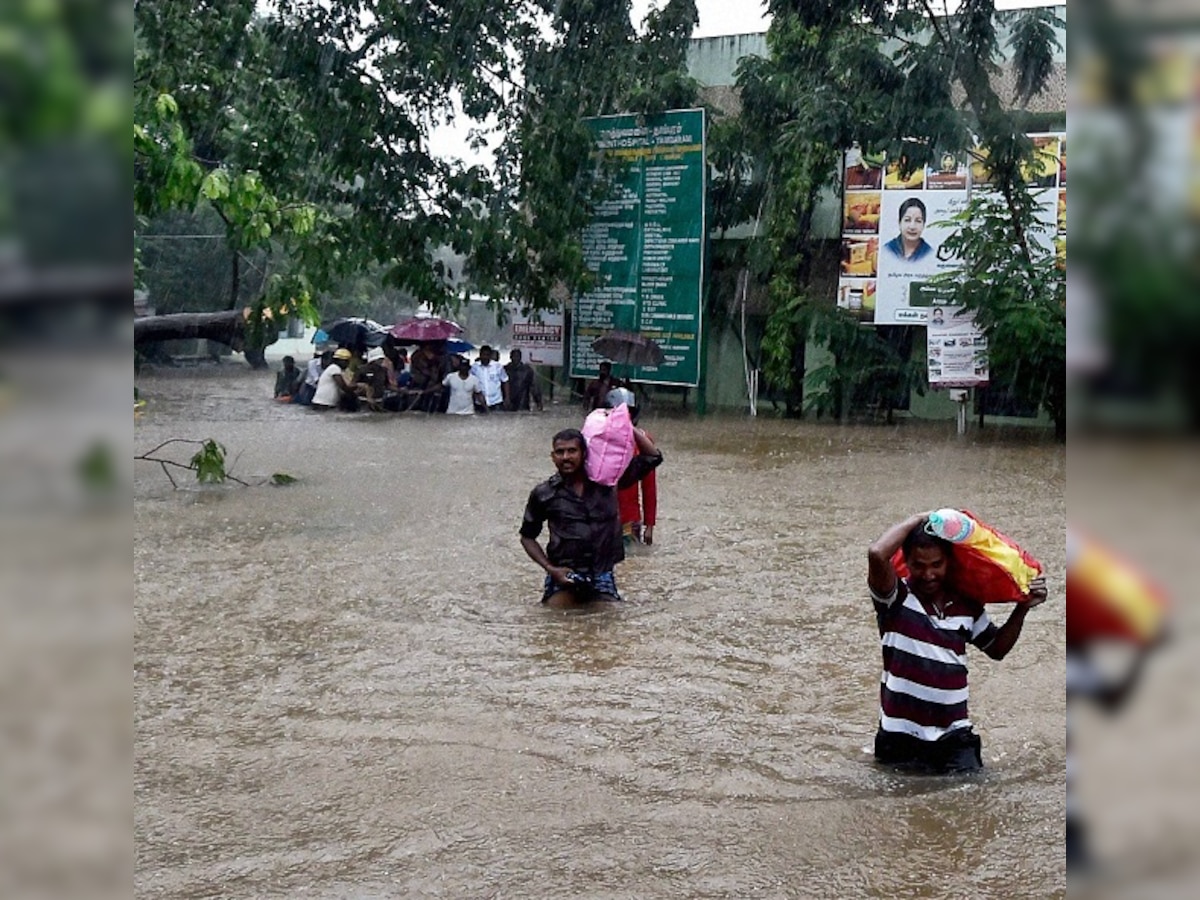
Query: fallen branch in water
[[208, 462]]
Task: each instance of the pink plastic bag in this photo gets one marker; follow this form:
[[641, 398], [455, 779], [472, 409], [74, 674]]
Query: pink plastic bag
[[609, 435]]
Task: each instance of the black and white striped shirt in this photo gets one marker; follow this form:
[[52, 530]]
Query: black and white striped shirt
[[923, 690]]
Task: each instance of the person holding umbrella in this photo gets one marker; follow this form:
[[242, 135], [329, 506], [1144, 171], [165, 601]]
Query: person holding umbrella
[[429, 367], [599, 387]]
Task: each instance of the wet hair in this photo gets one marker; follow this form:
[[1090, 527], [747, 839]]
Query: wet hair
[[571, 434], [912, 203], [919, 537]]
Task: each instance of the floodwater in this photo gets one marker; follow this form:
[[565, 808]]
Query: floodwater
[[346, 687]]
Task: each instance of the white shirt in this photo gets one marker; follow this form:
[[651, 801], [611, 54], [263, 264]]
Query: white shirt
[[327, 390], [462, 391], [491, 377], [312, 372]]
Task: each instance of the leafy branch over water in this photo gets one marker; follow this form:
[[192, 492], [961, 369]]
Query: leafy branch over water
[[208, 463]]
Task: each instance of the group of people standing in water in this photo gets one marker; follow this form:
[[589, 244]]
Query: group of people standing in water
[[388, 379]]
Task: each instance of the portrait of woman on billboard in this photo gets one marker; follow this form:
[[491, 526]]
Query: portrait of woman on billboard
[[910, 245]]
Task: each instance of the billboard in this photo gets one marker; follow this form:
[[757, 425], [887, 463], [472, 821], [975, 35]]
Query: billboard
[[894, 225], [646, 245], [540, 338], [956, 350]]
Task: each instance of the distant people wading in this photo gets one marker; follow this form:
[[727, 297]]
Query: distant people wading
[[429, 366], [493, 378], [312, 376], [465, 390], [523, 386], [597, 389], [638, 502], [288, 381], [335, 388]]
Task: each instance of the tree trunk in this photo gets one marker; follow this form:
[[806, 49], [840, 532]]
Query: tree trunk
[[225, 327]]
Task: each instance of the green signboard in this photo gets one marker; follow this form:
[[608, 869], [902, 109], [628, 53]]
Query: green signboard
[[646, 246]]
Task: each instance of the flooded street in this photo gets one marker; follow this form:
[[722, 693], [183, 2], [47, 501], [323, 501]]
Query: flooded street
[[346, 687]]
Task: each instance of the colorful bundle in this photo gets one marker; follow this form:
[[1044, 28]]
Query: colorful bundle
[[987, 566], [1108, 598]]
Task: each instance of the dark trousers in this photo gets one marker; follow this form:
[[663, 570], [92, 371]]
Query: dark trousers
[[960, 750]]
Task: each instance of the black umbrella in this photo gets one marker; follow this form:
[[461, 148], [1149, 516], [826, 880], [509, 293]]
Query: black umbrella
[[629, 348], [354, 331]]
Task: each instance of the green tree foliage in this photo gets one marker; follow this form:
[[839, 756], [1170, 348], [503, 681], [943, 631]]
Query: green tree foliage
[[209, 462], [592, 63], [186, 263], [306, 128], [1134, 246], [1017, 294], [887, 76], [64, 158]]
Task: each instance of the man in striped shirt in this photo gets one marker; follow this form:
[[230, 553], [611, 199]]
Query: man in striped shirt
[[924, 629]]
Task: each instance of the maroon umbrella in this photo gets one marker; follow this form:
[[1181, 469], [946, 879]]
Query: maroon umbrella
[[425, 328]]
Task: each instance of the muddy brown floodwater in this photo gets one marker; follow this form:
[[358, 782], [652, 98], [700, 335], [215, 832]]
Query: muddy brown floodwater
[[347, 688]]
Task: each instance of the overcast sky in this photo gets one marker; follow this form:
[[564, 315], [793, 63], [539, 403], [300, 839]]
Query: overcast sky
[[719, 17]]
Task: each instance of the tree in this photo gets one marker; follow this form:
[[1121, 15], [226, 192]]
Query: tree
[[1017, 294], [593, 63], [887, 76], [307, 130]]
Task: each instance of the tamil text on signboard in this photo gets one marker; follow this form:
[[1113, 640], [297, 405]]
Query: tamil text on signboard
[[645, 245]]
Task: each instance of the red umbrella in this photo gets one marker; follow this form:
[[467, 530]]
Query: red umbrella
[[425, 328]]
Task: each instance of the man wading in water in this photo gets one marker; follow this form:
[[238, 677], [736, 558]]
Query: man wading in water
[[585, 523], [924, 629]]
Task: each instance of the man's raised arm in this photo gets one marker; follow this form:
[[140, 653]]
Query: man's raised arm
[[881, 576]]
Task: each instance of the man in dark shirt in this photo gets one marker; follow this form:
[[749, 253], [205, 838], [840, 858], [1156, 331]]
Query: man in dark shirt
[[585, 524], [523, 385], [288, 379], [597, 389]]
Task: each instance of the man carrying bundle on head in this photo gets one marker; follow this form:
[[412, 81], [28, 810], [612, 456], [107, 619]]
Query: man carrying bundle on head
[[925, 623]]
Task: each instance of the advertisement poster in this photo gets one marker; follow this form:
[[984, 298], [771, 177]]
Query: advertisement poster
[[894, 224], [540, 341], [646, 246], [956, 350]]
